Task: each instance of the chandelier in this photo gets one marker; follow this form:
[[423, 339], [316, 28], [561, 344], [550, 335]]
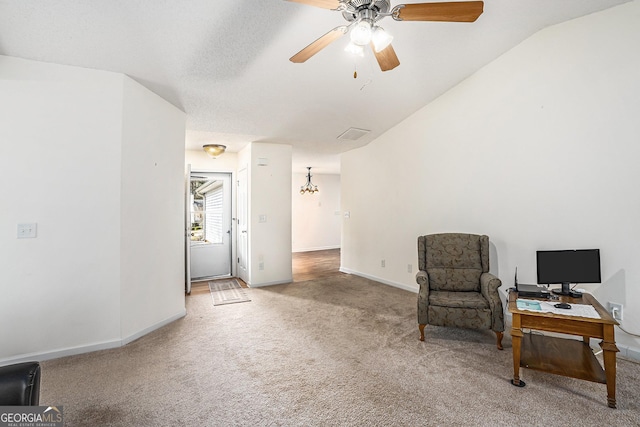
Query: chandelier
[[309, 187]]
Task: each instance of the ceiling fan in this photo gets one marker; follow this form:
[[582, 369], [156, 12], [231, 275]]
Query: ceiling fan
[[363, 17]]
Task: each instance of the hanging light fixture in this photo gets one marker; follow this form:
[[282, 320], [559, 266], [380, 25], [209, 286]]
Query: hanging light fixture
[[309, 187], [214, 150]]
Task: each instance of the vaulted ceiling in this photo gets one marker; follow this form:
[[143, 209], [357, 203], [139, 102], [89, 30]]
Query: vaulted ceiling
[[226, 62]]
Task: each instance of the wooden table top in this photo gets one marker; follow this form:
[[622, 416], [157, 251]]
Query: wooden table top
[[605, 316]]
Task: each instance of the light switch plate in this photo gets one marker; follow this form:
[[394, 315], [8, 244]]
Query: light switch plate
[[27, 231]]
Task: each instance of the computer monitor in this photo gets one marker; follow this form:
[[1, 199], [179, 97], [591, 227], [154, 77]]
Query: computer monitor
[[568, 266]]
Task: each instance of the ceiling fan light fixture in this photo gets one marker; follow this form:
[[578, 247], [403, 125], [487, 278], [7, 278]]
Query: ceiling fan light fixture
[[355, 49], [380, 38], [214, 150], [361, 33], [363, 15]]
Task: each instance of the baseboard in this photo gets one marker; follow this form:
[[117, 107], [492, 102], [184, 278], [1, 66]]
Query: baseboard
[[55, 354], [153, 327], [106, 345], [629, 353], [318, 248], [403, 286], [277, 282]]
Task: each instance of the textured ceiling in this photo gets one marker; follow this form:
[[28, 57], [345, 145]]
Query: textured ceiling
[[226, 62]]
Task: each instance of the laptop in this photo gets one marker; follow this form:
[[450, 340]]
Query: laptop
[[524, 290]]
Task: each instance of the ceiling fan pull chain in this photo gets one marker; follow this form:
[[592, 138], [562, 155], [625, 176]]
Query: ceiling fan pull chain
[[366, 83]]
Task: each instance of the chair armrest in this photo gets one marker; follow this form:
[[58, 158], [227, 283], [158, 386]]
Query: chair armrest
[[489, 285], [20, 384], [422, 278]]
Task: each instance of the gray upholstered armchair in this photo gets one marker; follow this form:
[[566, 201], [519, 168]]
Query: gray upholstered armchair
[[456, 288]]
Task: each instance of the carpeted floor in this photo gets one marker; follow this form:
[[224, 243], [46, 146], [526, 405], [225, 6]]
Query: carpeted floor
[[339, 351]]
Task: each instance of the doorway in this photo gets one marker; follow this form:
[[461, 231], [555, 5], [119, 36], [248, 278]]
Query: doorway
[[210, 225], [316, 264]]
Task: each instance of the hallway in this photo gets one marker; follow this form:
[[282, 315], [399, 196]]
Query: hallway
[[315, 264], [305, 265]]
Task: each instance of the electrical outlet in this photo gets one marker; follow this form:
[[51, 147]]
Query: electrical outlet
[[382, 263], [616, 310], [409, 268]]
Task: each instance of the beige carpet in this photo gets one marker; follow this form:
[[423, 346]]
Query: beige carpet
[[340, 351]]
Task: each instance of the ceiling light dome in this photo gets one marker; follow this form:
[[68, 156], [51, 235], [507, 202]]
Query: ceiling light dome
[[214, 150]]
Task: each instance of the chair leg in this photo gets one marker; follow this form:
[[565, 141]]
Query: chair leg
[[499, 336], [421, 327]]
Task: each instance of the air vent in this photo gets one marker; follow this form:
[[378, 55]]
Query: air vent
[[353, 134]]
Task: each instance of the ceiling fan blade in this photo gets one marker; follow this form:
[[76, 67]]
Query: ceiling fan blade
[[319, 44], [325, 4], [387, 58], [464, 11]]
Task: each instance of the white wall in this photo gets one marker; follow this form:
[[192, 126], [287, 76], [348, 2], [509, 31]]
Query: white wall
[[152, 210], [269, 205], [316, 219], [64, 166], [538, 150]]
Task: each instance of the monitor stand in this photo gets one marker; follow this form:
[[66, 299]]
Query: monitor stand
[[566, 290]]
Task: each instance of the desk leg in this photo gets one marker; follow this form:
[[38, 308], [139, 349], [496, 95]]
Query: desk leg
[[516, 340], [609, 350]]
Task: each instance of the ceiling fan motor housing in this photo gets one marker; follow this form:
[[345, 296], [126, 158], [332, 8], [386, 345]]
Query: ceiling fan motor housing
[[370, 9]]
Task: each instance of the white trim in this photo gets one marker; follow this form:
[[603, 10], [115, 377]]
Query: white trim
[[277, 282], [630, 353], [403, 286], [153, 327], [72, 351]]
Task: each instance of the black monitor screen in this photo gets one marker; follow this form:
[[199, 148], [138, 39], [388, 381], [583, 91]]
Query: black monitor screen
[[568, 266]]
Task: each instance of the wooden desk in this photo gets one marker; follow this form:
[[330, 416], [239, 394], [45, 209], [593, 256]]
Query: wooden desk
[[561, 356]]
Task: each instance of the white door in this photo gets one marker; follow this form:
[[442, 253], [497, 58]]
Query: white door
[[210, 232], [243, 229], [187, 231]]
